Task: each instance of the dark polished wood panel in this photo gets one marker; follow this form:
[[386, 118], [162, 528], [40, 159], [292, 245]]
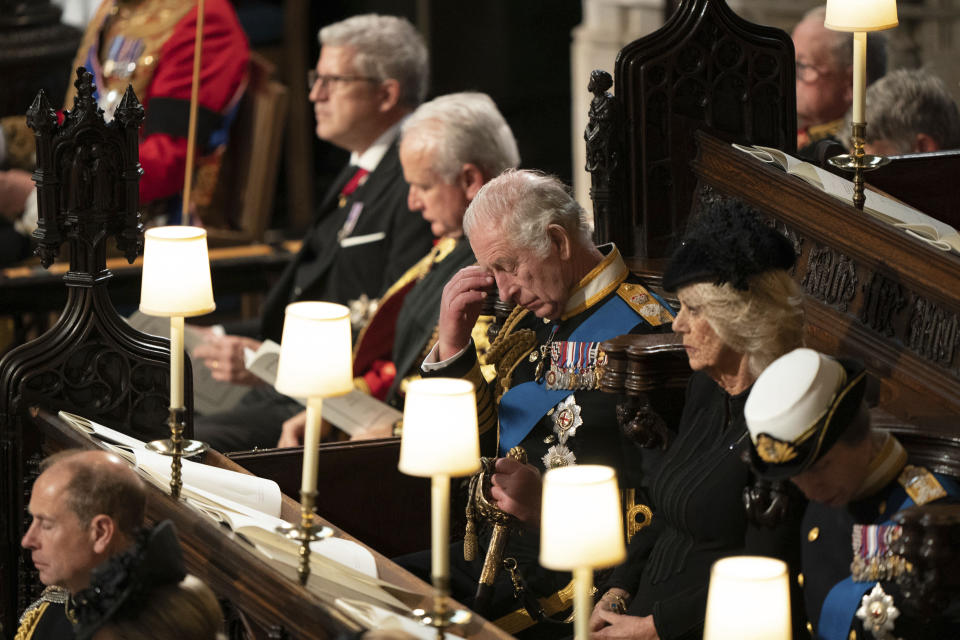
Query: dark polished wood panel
[[873, 292]]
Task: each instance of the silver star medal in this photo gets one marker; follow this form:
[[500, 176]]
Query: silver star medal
[[878, 613], [566, 419]]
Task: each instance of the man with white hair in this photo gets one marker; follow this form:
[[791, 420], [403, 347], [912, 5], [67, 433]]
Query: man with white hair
[[532, 239], [808, 423], [371, 74], [450, 147], [909, 111], [825, 76]]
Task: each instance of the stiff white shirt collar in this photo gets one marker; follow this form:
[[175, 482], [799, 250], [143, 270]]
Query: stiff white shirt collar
[[370, 158]]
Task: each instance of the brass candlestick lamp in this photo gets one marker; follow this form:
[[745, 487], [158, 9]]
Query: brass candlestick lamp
[[859, 17], [176, 284], [440, 440], [315, 363]]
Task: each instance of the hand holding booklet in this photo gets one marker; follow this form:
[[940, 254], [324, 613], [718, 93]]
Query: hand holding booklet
[[351, 413], [921, 226]]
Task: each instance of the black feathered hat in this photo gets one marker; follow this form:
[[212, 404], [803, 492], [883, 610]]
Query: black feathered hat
[[727, 243], [121, 586]]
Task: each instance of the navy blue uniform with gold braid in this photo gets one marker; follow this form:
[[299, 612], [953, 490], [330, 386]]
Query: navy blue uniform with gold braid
[[46, 619], [827, 551], [617, 304]]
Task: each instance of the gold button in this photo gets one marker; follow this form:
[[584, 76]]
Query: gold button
[[810, 628], [149, 60], [852, 636], [882, 507], [800, 579], [813, 534]]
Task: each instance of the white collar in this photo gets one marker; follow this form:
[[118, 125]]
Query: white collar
[[370, 158], [598, 283]]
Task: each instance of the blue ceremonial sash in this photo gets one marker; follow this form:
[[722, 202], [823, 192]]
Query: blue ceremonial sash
[[841, 604], [522, 406]]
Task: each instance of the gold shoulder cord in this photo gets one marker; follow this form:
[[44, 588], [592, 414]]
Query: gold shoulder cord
[[509, 349], [29, 621]]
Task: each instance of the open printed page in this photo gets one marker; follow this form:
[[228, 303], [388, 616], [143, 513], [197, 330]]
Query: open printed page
[[374, 617], [351, 412], [930, 230], [339, 568], [209, 395], [100, 432], [793, 166], [256, 493]]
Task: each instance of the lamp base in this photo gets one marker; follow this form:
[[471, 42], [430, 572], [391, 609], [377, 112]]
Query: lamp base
[[442, 618], [301, 534], [848, 162], [189, 448], [858, 162], [305, 533]]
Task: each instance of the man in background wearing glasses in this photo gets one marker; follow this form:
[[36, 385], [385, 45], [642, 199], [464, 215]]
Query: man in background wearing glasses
[[372, 73], [825, 77]]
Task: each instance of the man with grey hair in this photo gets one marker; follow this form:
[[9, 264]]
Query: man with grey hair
[[532, 240], [371, 74], [450, 147], [825, 76], [86, 507], [909, 111]]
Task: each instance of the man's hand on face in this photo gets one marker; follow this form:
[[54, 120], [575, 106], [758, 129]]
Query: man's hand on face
[[517, 489], [460, 306], [223, 355]]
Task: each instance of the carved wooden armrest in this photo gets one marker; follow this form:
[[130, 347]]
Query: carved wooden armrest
[[650, 372]]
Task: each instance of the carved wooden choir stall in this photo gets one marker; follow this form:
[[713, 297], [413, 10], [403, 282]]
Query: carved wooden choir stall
[[656, 148], [873, 292]]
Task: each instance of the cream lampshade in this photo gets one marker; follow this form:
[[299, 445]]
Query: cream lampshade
[[581, 524], [315, 363], [439, 429], [861, 15], [315, 356], [581, 529], [440, 440], [749, 599], [176, 273]]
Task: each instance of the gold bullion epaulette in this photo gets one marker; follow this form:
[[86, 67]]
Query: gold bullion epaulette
[[921, 485], [640, 300]]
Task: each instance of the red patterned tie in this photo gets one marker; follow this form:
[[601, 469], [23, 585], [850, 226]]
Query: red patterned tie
[[352, 184]]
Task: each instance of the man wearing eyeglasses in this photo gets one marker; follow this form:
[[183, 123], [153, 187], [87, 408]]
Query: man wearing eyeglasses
[[825, 77], [371, 74]]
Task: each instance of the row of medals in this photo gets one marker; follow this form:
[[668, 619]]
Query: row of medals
[[576, 376]]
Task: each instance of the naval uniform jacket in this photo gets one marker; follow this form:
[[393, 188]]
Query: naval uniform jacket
[[386, 240], [46, 619], [698, 515], [827, 554], [597, 441]]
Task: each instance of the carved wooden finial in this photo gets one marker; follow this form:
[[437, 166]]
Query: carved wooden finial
[[129, 112], [41, 116], [600, 82], [85, 89], [87, 180]]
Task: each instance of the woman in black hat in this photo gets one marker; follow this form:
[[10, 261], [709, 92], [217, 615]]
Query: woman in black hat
[[740, 310]]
